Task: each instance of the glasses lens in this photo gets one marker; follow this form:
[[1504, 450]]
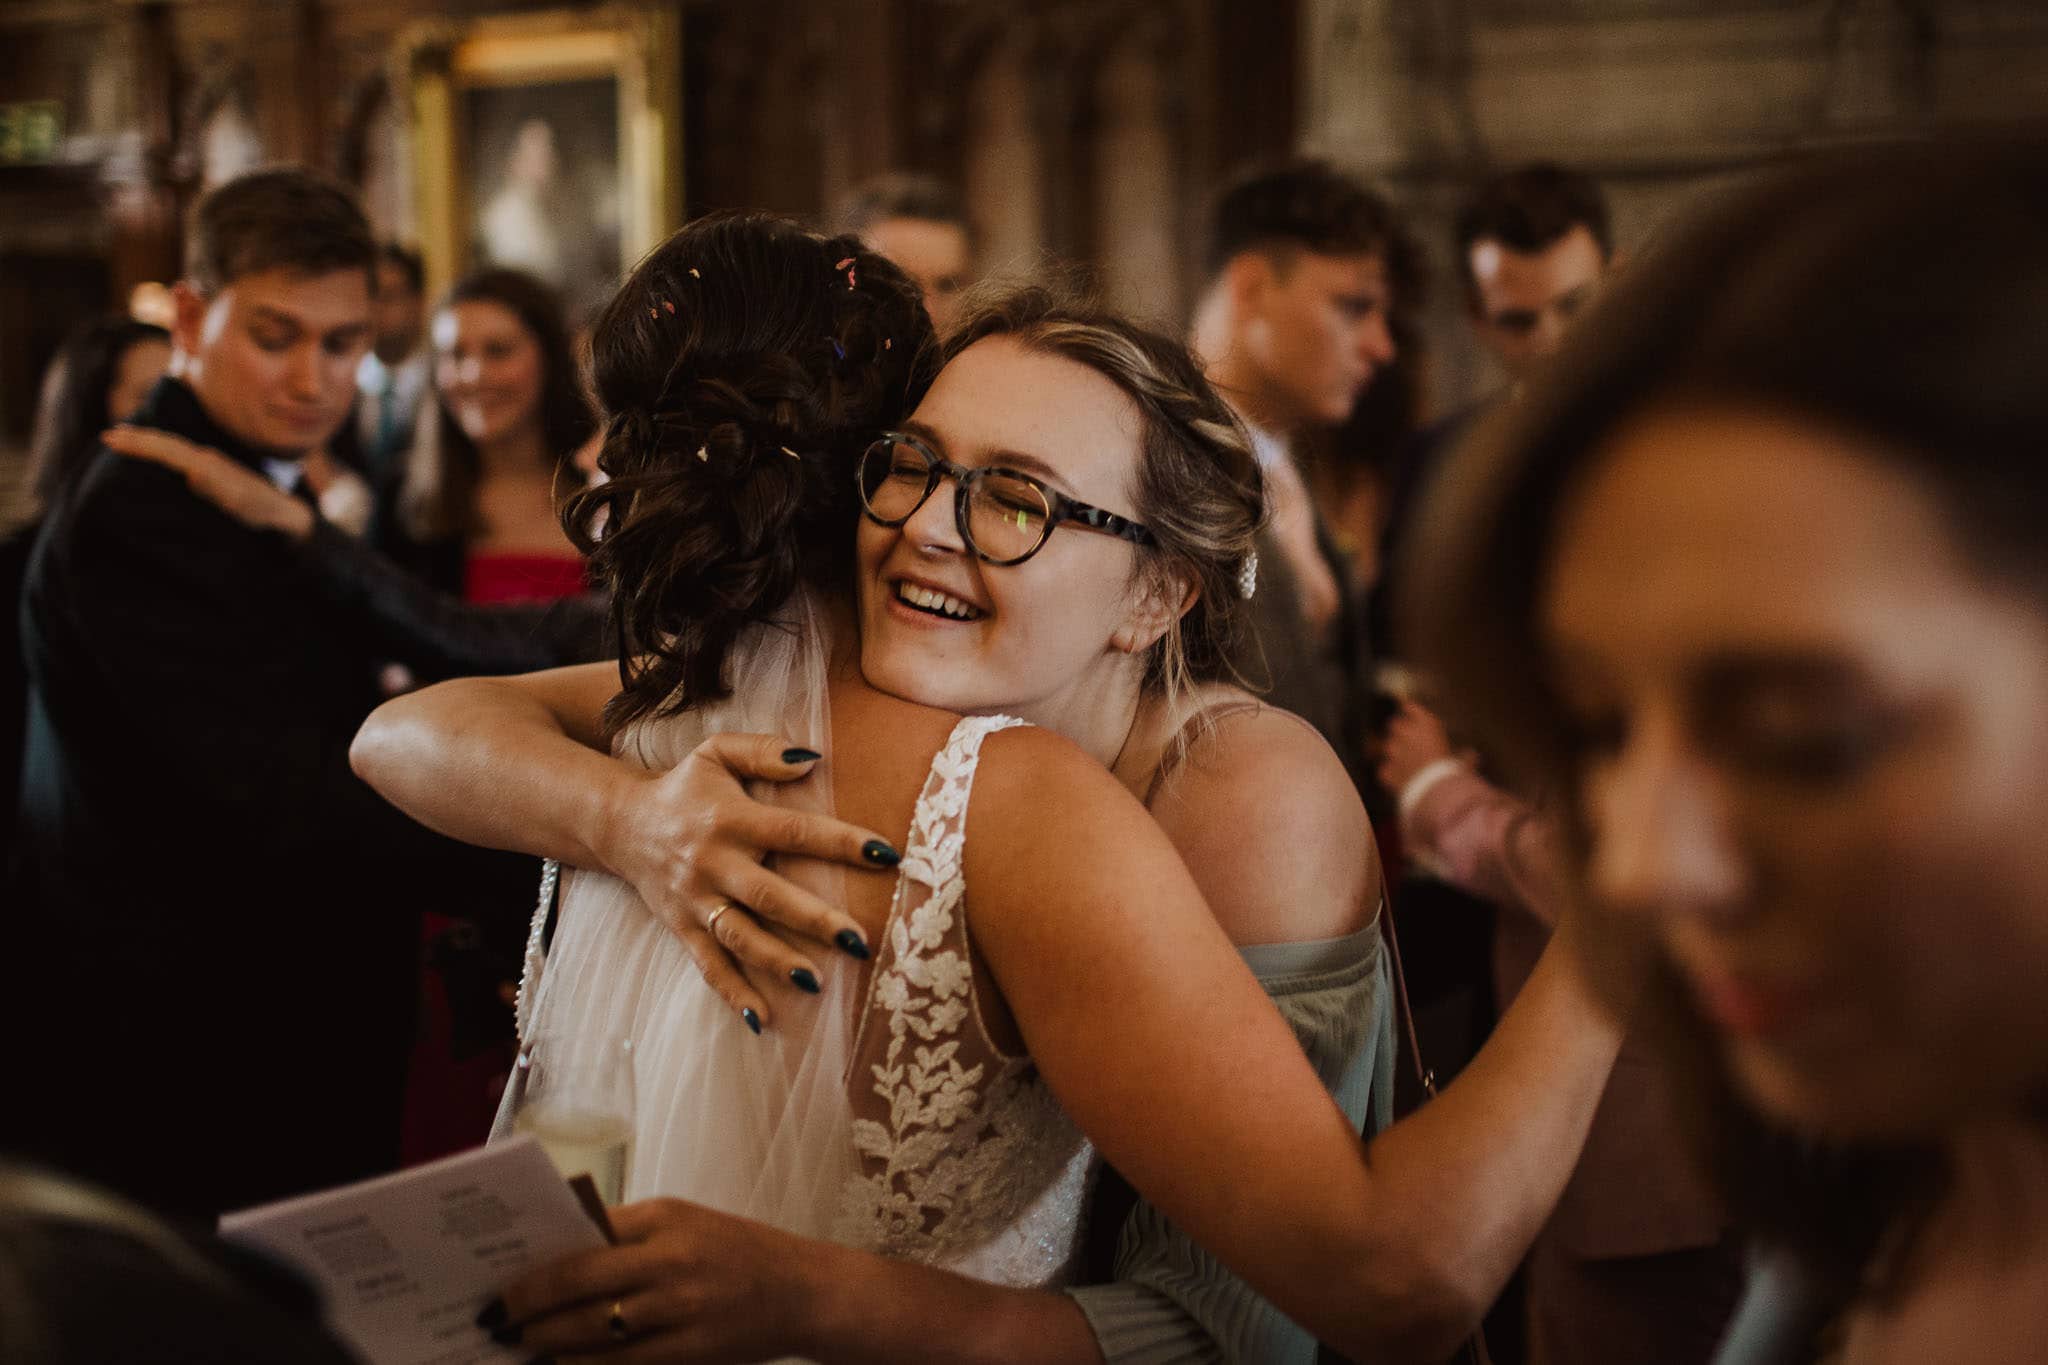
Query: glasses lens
[[1007, 516], [893, 478]]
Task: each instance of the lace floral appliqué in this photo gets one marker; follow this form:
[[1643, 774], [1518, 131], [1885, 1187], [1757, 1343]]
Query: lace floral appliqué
[[966, 1160]]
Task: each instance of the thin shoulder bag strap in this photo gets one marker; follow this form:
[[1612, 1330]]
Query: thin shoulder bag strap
[[1474, 1349]]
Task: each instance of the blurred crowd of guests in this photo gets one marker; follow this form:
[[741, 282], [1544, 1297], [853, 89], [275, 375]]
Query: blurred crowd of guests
[[423, 541], [437, 520]]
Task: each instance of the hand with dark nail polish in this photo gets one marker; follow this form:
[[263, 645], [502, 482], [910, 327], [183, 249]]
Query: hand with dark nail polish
[[851, 944], [880, 854], [507, 1335], [752, 1020], [805, 980], [801, 756], [493, 1316]]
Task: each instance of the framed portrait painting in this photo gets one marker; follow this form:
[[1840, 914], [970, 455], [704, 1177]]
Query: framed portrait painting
[[548, 142]]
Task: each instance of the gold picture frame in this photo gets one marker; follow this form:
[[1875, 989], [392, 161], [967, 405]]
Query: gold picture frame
[[549, 141]]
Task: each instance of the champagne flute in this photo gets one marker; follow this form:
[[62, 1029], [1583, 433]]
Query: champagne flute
[[575, 1096]]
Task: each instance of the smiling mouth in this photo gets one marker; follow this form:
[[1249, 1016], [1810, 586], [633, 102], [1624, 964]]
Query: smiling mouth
[[932, 602]]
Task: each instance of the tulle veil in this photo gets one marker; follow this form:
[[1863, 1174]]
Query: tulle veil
[[754, 1126]]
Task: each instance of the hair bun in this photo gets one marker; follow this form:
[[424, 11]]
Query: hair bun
[[766, 354]]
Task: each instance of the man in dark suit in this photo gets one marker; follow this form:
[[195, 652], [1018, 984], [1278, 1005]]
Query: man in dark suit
[[1303, 262], [215, 945], [1533, 245]]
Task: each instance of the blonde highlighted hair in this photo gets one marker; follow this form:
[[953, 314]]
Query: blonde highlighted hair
[[1198, 485]]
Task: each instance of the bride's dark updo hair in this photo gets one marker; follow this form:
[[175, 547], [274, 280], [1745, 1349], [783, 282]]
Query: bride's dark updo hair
[[742, 368]]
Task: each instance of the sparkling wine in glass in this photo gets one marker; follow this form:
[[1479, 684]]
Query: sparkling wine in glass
[[575, 1096]]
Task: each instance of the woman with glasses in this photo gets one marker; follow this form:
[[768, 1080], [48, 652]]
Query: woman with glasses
[[1059, 532], [1004, 514]]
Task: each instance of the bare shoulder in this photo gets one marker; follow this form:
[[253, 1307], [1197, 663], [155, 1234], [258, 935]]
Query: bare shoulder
[[1039, 797], [1063, 862], [1028, 771], [1270, 824]]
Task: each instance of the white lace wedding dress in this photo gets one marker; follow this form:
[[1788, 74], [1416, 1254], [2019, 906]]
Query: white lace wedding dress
[[880, 1113]]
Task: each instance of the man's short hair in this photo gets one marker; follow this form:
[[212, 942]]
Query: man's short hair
[[284, 218], [407, 262], [1299, 205], [1530, 208], [899, 194]]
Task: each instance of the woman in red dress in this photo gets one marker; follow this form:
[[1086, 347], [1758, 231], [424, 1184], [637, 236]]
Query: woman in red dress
[[495, 453], [476, 509]]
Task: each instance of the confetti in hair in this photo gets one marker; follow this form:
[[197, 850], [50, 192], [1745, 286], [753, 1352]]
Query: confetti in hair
[[791, 453], [669, 307], [837, 349], [693, 273], [844, 263], [887, 342], [704, 453]]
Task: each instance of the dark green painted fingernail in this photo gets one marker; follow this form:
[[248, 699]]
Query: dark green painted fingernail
[[507, 1335], [880, 854], [753, 1020], [804, 980], [851, 944], [801, 755], [493, 1316]]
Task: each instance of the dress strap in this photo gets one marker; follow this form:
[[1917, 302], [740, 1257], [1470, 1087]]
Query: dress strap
[[964, 1157], [1190, 731], [927, 925], [938, 826]]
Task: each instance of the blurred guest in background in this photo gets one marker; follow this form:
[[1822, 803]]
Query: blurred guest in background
[[1533, 245], [1293, 324], [475, 511], [1757, 580], [918, 222], [100, 375], [198, 1036], [393, 377], [476, 514], [1637, 1262], [1348, 468]]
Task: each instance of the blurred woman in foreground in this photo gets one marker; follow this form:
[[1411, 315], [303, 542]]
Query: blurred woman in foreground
[[1766, 568]]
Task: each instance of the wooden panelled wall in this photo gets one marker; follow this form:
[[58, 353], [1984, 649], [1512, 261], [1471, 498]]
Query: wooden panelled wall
[[1662, 100], [1086, 130]]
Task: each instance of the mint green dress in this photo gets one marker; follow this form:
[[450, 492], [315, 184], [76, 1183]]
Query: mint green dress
[[1172, 1301]]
